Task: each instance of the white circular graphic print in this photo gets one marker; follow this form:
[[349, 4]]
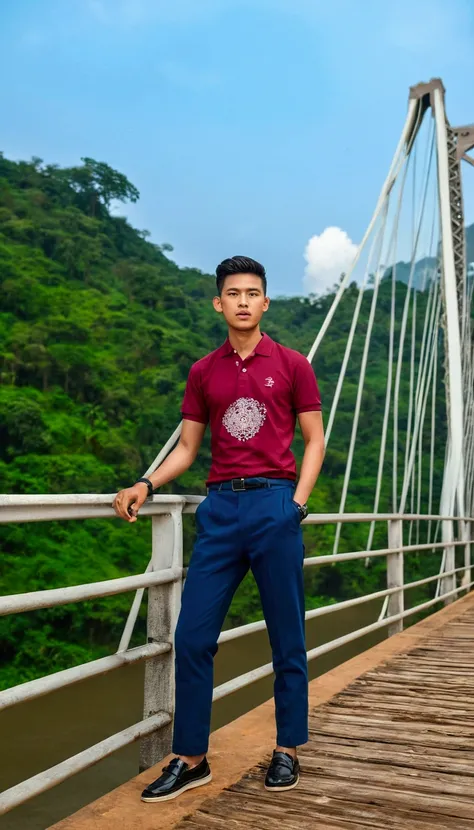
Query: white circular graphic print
[[244, 418]]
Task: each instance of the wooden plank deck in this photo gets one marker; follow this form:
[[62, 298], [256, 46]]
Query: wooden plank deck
[[391, 746], [394, 750]]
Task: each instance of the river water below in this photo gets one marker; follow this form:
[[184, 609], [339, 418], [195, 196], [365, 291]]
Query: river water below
[[43, 732]]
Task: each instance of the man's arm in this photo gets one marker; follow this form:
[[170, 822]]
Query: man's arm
[[127, 502], [311, 424]]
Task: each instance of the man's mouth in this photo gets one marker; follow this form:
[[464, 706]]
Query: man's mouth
[[243, 314]]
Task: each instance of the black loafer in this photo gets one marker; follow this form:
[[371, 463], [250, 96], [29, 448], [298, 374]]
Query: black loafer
[[176, 779], [283, 772]]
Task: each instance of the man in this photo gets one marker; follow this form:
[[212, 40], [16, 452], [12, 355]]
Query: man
[[250, 391]]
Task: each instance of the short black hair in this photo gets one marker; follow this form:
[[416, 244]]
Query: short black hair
[[239, 265]]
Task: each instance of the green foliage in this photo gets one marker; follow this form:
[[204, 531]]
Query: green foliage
[[98, 330]]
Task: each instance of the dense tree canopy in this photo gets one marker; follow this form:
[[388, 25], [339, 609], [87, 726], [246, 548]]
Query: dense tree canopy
[[98, 330]]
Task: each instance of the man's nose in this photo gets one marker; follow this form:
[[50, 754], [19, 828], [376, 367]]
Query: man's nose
[[243, 300]]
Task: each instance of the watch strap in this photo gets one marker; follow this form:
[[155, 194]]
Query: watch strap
[[303, 508], [148, 484]]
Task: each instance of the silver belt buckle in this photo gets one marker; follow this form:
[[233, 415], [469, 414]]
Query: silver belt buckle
[[238, 489]]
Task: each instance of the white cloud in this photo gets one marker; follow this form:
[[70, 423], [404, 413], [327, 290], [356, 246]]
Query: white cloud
[[327, 256]]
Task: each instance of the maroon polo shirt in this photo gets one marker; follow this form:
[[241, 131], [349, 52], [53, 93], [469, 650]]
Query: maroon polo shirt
[[251, 406]]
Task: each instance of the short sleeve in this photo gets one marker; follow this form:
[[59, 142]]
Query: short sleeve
[[194, 406], [306, 397]]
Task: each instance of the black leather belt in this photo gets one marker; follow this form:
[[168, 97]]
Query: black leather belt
[[238, 485]]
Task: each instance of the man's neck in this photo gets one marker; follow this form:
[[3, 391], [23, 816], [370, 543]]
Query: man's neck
[[244, 342]]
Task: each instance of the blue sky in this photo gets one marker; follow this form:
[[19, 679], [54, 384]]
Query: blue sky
[[248, 126]]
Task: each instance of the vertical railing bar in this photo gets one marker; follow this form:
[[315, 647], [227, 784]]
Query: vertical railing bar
[[441, 572], [132, 617], [395, 575], [467, 535], [448, 583]]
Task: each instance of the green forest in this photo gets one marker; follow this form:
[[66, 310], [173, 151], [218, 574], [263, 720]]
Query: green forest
[[98, 330]]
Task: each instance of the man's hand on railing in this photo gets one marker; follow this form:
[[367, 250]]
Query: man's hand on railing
[[127, 502]]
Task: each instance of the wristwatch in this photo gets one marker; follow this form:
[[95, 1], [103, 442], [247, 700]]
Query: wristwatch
[[148, 484], [303, 510]]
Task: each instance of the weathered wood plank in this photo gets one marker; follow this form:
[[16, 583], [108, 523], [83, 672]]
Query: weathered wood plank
[[431, 674], [456, 673], [224, 823], [386, 775], [330, 718], [459, 763], [389, 736], [377, 711], [408, 691], [465, 686], [452, 658], [405, 673], [458, 704], [309, 812], [378, 705], [368, 794]]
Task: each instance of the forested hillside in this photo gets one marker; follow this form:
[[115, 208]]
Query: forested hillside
[[98, 330]]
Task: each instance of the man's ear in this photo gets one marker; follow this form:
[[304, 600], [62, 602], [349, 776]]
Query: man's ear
[[216, 302]]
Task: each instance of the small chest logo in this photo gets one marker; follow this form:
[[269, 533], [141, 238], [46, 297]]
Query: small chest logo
[[269, 382]]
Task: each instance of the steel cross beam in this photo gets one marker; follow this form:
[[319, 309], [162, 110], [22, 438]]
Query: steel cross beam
[[457, 217], [465, 142]]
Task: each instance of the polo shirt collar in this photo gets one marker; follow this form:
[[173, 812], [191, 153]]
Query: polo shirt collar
[[264, 347]]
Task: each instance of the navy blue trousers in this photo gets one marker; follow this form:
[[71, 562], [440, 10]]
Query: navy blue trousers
[[257, 529]]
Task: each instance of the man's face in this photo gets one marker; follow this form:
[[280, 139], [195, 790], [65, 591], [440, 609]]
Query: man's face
[[242, 301]]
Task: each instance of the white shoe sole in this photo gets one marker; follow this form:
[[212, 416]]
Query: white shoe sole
[[282, 789], [190, 786]]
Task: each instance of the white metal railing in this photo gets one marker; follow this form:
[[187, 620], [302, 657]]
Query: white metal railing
[[163, 578]]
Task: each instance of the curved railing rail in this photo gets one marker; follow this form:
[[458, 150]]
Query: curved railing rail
[[163, 579]]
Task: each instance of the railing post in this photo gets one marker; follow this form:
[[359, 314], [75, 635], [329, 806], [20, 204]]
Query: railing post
[[466, 535], [163, 608], [395, 575], [448, 583]]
